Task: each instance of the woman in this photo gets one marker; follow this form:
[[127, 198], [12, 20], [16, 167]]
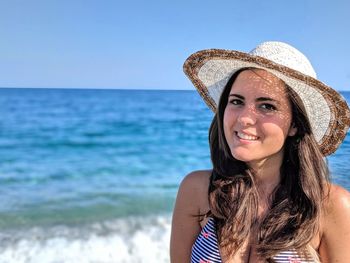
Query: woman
[[268, 197]]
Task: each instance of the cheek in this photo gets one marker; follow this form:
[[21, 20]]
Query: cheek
[[276, 131], [285, 125], [227, 121], [284, 120], [279, 124]]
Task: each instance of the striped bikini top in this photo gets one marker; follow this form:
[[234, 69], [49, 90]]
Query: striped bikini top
[[206, 249]]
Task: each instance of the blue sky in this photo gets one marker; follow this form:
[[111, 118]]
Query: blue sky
[[143, 44]]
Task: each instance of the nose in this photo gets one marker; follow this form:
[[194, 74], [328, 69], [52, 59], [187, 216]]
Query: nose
[[247, 116]]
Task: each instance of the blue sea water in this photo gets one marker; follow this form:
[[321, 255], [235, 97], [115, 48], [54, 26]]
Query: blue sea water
[[94, 173]]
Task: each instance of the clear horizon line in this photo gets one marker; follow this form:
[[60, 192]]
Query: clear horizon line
[[114, 88], [93, 88]]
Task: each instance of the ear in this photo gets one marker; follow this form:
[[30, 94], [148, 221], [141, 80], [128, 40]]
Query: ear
[[292, 130]]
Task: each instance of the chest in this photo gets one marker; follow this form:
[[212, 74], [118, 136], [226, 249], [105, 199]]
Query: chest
[[207, 250]]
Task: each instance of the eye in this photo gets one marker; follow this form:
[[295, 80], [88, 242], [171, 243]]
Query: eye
[[236, 102], [268, 107]]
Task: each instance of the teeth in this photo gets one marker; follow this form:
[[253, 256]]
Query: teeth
[[246, 137]]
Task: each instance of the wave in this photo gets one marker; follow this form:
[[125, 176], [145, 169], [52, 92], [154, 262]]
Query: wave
[[132, 239]]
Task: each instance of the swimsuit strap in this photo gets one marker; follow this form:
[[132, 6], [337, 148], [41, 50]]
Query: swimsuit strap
[[205, 249]]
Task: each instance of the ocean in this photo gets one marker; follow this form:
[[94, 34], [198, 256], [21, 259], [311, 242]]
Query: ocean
[[92, 175]]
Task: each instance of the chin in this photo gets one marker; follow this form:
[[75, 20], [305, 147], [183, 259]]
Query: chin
[[242, 156]]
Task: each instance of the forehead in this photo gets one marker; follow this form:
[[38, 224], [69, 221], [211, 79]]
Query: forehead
[[259, 82]]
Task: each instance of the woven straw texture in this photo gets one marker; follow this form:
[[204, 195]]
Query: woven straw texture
[[327, 110]]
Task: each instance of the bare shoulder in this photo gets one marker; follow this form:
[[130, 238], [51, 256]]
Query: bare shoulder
[[336, 226], [197, 180], [191, 200], [338, 200], [195, 186], [336, 205]]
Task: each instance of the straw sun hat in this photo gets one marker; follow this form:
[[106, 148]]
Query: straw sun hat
[[328, 112]]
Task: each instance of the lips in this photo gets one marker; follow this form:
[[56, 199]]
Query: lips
[[245, 136]]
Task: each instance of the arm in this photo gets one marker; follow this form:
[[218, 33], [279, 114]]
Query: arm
[[335, 241], [191, 196]]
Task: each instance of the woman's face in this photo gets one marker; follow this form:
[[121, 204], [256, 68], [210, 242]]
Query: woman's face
[[257, 117]]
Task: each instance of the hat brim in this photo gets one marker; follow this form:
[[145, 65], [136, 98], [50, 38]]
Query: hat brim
[[328, 113]]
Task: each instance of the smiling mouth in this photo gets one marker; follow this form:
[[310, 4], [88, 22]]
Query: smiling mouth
[[247, 137]]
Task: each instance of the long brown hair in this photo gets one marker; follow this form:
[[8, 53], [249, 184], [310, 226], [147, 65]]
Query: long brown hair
[[296, 203]]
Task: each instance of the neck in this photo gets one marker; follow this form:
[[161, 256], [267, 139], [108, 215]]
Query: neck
[[267, 172]]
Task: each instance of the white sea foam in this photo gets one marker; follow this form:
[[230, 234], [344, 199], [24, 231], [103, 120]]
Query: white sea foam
[[122, 240]]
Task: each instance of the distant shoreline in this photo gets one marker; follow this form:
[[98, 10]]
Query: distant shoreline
[[126, 89]]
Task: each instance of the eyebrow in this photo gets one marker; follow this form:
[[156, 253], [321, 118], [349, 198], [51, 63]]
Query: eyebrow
[[257, 99]]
